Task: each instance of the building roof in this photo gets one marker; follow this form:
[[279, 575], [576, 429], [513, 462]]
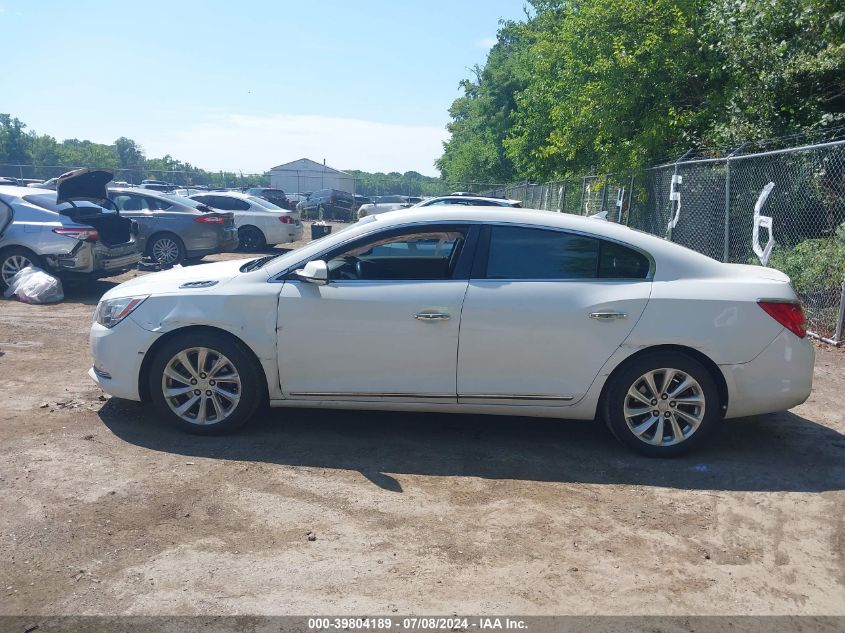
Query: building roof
[[307, 164]]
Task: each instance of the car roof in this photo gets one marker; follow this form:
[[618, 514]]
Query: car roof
[[227, 194], [11, 191], [469, 198]]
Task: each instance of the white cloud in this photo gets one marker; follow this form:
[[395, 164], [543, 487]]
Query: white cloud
[[486, 42], [252, 143]]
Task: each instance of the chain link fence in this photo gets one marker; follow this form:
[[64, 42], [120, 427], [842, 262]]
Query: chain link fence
[[717, 198]]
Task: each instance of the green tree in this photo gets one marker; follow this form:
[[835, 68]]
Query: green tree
[[14, 142], [483, 117]]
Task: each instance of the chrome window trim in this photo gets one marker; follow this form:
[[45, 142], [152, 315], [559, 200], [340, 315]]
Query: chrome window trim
[[652, 265]]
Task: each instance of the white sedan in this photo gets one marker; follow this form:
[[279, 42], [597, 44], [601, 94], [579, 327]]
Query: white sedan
[[259, 222], [464, 310]]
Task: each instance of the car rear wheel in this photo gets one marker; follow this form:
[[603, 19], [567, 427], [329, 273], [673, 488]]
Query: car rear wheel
[[251, 239], [13, 260], [662, 404], [205, 383], [167, 249]]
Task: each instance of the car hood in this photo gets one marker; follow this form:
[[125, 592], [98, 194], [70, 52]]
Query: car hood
[[83, 184], [202, 278]]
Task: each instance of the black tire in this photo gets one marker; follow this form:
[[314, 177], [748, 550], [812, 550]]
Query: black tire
[[630, 376], [11, 258], [251, 239], [251, 393], [166, 243]]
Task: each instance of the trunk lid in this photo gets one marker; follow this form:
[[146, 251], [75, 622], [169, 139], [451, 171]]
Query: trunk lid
[[83, 184], [757, 272]]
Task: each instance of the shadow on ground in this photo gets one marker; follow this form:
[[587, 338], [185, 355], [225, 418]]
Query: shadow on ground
[[782, 452]]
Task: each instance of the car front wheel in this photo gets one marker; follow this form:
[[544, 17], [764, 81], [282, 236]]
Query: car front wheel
[[205, 383], [662, 404]]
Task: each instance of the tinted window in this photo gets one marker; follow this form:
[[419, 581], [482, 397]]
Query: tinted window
[[228, 204], [620, 262], [261, 202], [525, 253], [419, 255], [129, 202]]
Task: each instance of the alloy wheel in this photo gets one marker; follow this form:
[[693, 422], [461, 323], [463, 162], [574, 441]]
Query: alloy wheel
[[165, 250], [664, 407], [201, 386], [12, 265]]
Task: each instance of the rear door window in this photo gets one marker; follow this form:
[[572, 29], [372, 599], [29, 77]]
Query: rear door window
[[530, 253]]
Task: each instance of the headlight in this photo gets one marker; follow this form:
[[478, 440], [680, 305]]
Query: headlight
[[112, 311]]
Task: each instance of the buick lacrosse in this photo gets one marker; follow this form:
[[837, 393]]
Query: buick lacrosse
[[464, 310]]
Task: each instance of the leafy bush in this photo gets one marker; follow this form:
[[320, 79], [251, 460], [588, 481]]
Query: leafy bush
[[814, 265]]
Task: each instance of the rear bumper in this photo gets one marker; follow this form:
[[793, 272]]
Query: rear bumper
[[94, 259], [779, 378]]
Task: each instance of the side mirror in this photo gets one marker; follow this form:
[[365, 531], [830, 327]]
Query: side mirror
[[315, 272]]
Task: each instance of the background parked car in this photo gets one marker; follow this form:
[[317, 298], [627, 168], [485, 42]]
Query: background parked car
[[44, 229], [157, 185], [47, 184], [360, 201], [276, 196], [328, 204], [174, 228], [259, 222], [383, 204]]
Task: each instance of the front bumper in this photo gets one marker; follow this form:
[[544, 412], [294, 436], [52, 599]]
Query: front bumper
[[779, 378], [118, 353]]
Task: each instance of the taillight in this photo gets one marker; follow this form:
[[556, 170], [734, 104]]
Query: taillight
[[331, 199], [84, 235], [210, 219], [790, 315], [285, 219]]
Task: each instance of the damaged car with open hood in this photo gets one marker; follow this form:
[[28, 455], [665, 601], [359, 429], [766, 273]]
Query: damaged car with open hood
[[63, 231]]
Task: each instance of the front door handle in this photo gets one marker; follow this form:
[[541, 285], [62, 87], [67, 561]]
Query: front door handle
[[432, 315], [608, 316]]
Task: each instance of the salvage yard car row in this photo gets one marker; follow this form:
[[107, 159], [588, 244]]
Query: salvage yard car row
[[81, 226]]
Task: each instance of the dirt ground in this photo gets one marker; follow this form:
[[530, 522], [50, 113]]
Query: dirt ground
[[106, 510]]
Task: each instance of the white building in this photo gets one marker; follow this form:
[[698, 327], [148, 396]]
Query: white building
[[304, 175]]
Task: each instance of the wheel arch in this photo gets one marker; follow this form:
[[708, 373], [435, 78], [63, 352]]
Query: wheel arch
[[143, 374], [711, 367]]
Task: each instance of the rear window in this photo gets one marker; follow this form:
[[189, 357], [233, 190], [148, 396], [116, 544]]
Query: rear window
[[265, 203], [47, 201], [529, 253], [620, 262]]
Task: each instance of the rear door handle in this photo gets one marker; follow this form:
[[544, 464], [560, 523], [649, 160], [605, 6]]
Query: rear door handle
[[431, 315], [608, 316]]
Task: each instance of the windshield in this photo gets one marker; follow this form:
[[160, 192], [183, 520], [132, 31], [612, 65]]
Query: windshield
[[265, 203], [48, 201], [309, 249]]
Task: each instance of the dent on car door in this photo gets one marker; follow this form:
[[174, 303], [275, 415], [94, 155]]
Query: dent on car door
[[386, 324], [544, 311]]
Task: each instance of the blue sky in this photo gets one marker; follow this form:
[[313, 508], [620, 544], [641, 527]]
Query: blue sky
[[248, 85]]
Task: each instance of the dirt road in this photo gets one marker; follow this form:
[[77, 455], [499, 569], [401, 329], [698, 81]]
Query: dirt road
[[107, 510]]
